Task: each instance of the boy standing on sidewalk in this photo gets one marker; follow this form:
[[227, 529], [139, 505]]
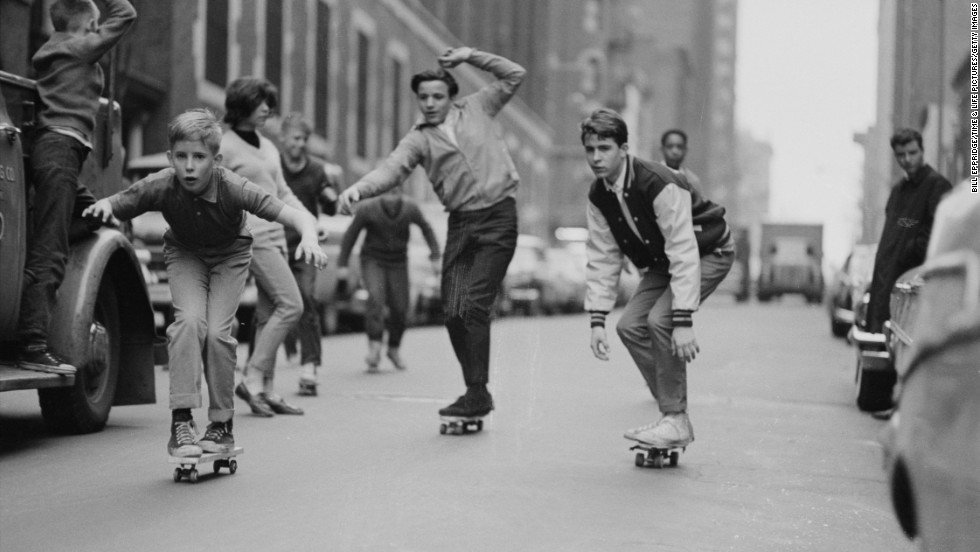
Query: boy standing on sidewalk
[[682, 245], [69, 84], [207, 248]]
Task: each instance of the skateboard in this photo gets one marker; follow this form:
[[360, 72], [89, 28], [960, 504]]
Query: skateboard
[[656, 456], [458, 425], [187, 465], [307, 388]]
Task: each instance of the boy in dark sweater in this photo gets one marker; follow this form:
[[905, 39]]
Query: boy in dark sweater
[[69, 84], [314, 188], [909, 214], [208, 249], [384, 267]]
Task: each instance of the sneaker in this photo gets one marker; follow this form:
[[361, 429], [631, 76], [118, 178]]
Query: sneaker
[[280, 406], [43, 360], [396, 358], [632, 433], [672, 431], [255, 402], [218, 438], [307, 379], [181, 442], [476, 403]]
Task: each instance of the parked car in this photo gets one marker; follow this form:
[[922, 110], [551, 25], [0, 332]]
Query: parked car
[[932, 441], [877, 353], [521, 288], [842, 293], [564, 279]]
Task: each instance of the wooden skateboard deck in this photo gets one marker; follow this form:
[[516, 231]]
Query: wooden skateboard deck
[[455, 425], [187, 465], [656, 456]]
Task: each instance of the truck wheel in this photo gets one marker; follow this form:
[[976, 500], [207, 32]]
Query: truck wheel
[[84, 407], [873, 388]]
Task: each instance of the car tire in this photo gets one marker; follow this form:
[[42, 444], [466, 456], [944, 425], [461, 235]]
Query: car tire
[[839, 329], [84, 407], [873, 388]]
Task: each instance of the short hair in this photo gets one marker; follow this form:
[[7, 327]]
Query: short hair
[[245, 94], [193, 125], [904, 136], [677, 131], [605, 123], [433, 75], [65, 12], [295, 120]]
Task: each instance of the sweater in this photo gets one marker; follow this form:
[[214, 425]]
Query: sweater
[[387, 220], [69, 78], [262, 166], [472, 172]]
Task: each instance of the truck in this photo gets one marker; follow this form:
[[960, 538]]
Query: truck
[[102, 322], [790, 261]]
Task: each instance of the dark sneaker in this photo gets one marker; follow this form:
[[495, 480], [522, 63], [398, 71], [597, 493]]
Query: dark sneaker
[[181, 442], [280, 406], [255, 402], [218, 438], [474, 404], [44, 361]]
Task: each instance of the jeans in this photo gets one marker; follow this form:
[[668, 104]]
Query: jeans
[[308, 329], [479, 247], [59, 199], [206, 291], [278, 308], [387, 285], [646, 328]]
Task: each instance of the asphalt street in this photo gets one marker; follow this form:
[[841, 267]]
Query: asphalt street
[[782, 461]]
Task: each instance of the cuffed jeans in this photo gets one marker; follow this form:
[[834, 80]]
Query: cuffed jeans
[[479, 247], [646, 328], [278, 308], [206, 291], [59, 199], [308, 329], [387, 285]]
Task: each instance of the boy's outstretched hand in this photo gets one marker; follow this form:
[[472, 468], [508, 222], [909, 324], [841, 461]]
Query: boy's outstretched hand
[[599, 343], [311, 254], [347, 199], [101, 210]]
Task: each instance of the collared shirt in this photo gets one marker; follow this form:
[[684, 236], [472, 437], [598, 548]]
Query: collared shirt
[[469, 166], [617, 188]]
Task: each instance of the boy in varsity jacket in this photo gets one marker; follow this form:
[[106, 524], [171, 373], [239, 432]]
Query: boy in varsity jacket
[[644, 212]]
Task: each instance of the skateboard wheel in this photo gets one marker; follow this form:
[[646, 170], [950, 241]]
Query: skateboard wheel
[[177, 475], [193, 476], [443, 429], [232, 466], [658, 461], [217, 466], [641, 460], [674, 456], [479, 425]]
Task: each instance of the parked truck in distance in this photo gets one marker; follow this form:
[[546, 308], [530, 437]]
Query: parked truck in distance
[[102, 322], [791, 258]]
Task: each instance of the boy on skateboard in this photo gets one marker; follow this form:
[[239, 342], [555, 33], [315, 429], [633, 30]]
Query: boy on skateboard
[[207, 249], [459, 144], [681, 243]]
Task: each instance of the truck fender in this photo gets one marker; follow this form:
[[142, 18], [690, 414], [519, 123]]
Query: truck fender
[[107, 253]]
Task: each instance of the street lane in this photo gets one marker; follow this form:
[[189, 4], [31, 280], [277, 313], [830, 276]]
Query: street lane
[[782, 460]]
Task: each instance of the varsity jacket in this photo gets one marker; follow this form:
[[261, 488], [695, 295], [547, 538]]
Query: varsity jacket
[[673, 226]]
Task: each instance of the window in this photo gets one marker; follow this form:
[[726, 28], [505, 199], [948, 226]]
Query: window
[[216, 42], [273, 44], [321, 99], [361, 115]]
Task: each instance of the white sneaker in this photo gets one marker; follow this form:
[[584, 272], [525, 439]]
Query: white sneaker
[[307, 373], [632, 433], [674, 430]]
